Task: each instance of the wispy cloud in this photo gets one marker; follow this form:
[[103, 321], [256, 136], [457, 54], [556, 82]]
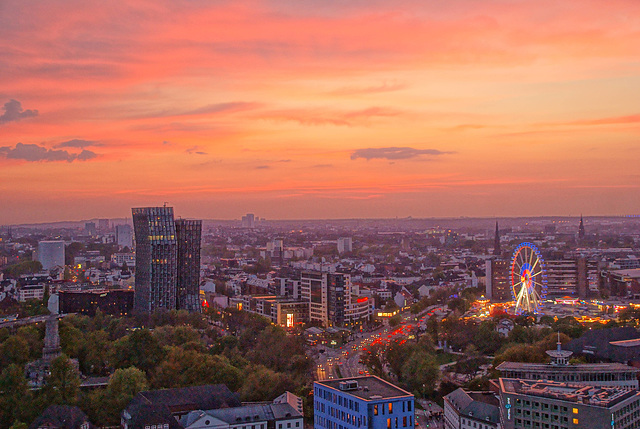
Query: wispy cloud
[[35, 153], [77, 143], [362, 90], [13, 112], [395, 153], [195, 150], [319, 117]]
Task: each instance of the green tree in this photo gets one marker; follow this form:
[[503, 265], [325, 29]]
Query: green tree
[[423, 372], [263, 384], [14, 395], [521, 353], [63, 385], [189, 368], [140, 349], [14, 351], [123, 385]]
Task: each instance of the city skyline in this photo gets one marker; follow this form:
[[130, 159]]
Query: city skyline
[[336, 110]]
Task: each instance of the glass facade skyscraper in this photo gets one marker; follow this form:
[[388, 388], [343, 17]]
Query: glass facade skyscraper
[[189, 233], [167, 260]]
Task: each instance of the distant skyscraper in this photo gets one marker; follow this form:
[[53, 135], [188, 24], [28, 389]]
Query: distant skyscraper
[[248, 221], [167, 260], [124, 236], [51, 254], [497, 250], [581, 232], [189, 233]]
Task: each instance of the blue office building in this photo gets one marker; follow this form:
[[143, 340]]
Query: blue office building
[[362, 402]]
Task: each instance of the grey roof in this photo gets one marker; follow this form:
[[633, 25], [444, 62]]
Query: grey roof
[[158, 406], [245, 414], [370, 388], [63, 417], [206, 397], [482, 406], [549, 368]]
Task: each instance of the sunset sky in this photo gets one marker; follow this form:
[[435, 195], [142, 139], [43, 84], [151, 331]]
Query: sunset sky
[[319, 109]]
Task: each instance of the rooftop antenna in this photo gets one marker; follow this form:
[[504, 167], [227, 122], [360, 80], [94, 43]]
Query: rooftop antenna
[[165, 204]]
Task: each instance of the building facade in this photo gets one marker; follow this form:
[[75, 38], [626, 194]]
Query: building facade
[[167, 260], [188, 233], [344, 245], [331, 299], [572, 277], [156, 259], [116, 302], [592, 374], [362, 402], [498, 280], [51, 254], [555, 405], [124, 236]]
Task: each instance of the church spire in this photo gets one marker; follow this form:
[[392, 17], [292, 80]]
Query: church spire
[[497, 251]]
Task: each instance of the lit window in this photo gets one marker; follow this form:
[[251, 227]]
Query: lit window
[[390, 407], [375, 410], [575, 421], [388, 423], [575, 411]]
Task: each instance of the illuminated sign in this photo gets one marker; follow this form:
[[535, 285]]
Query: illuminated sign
[[508, 407], [289, 320]]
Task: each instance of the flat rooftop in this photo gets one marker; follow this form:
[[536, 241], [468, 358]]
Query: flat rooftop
[[369, 388], [583, 367], [588, 395], [626, 343]]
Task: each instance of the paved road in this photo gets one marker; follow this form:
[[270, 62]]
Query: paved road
[[347, 358]]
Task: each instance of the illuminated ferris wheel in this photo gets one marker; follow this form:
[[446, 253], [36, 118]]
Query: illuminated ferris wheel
[[528, 279]]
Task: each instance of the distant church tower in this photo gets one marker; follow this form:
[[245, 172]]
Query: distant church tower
[[581, 229], [497, 251]]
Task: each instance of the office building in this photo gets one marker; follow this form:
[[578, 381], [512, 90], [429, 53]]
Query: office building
[[556, 405], [90, 229], [471, 410], [116, 302], [345, 244], [282, 311], [124, 258], [51, 254], [248, 221], [362, 402], [124, 236], [156, 259], [572, 277], [103, 225], [167, 260], [498, 280], [331, 299], [188, 233], [593, 374]]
